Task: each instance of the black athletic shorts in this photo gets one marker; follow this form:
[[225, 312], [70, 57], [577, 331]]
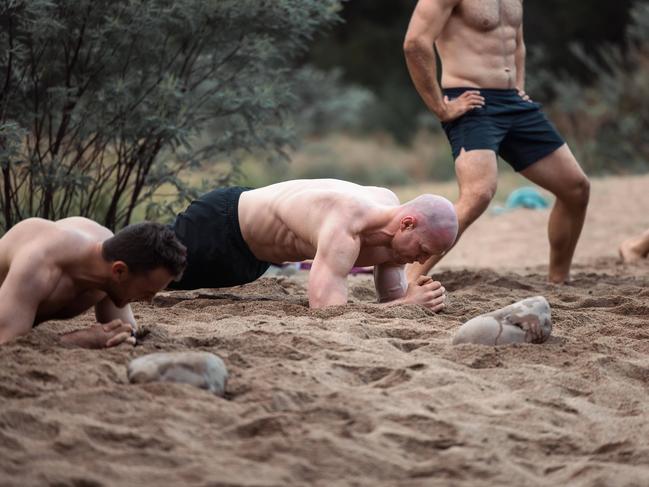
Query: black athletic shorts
[[515, 129], [217, 255]]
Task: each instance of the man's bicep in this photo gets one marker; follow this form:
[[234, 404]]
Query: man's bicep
[[106, 311], [328, 277], [27, 284], [338, 251], [429, 18], [519, 37]]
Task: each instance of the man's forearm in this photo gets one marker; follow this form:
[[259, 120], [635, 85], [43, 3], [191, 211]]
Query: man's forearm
[[520, 66], [422, 66], [326, 292], [8, 333], [320, 300], [390, 283]]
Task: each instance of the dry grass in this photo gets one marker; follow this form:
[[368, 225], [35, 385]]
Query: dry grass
[[424, 167]]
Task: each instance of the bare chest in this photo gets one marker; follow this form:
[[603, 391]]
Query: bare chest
[[67, 301], [373, 256], [488, 15]]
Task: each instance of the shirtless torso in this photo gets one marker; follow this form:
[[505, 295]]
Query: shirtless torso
[[478, 44], [298, 213], [55, 270], [340, 224], [52, 247]]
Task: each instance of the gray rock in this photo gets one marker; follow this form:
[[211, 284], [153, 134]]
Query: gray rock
[[200, 369], [526, 321]]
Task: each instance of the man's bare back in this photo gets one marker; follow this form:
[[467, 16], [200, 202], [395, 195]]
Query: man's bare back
[[298, 212], [57, 270]]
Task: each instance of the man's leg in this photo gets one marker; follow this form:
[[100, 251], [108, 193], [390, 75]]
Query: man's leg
[[477, 178], [561, 174], [635, 248]]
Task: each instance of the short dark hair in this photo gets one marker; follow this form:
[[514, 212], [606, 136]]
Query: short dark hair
[[147, 246]]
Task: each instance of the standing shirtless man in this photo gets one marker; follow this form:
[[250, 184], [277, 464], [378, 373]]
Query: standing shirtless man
[[54, 270], [485, 112], [233, 234]]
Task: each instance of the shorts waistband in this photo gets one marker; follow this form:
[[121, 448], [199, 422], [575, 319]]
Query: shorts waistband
[[455, 91]]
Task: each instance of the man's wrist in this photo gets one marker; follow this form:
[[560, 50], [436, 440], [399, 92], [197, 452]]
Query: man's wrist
[[440, 112]]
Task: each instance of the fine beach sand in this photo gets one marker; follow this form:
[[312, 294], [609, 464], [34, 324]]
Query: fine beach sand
[[358, 394]]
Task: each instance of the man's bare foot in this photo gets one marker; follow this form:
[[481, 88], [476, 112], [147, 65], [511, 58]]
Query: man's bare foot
[[629, 251], [101, 336], [559, 279]]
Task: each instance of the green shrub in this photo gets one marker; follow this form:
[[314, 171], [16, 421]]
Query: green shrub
[[103, 103], [607, 121]]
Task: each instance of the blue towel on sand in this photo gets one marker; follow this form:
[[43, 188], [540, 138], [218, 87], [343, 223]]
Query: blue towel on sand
[[525, 197]]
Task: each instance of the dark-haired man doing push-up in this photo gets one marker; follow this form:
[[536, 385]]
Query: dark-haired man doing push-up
[[57, 270]]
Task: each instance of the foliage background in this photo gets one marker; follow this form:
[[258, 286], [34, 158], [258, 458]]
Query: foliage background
[[126, 110], [587, 63]]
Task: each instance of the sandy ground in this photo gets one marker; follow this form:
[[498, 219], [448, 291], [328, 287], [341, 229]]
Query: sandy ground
[[359, 394]]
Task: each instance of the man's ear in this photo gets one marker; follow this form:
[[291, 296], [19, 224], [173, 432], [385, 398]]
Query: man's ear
[[408, 223], [119, 270]]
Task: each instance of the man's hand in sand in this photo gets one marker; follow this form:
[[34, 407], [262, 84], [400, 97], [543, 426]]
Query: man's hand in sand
[[101, 335], [426, 292]]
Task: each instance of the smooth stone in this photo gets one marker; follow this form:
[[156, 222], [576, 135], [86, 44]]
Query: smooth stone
[[200, 369], [526, 321]]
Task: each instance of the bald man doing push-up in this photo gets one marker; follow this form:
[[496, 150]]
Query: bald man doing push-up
[[232, 236]]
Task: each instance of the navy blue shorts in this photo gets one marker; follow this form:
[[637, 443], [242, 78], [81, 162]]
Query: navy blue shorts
[[515, 129]]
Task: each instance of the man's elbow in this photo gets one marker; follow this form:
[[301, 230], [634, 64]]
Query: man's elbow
[[316, 302], [414, 45], [8, 333], [521, 50], [320, 300]]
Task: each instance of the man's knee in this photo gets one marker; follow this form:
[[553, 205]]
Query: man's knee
[[474, 203], [577, 194]]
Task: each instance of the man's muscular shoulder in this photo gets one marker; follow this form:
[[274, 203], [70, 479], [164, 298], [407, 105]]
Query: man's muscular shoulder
[[384, 196], [50, 242], [85, 225]]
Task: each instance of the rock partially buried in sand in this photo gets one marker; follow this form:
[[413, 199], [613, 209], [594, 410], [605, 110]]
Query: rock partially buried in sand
[[526, 321], [200, 369]]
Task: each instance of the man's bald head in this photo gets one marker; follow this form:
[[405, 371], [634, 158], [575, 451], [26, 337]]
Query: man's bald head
[[434, 215]]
